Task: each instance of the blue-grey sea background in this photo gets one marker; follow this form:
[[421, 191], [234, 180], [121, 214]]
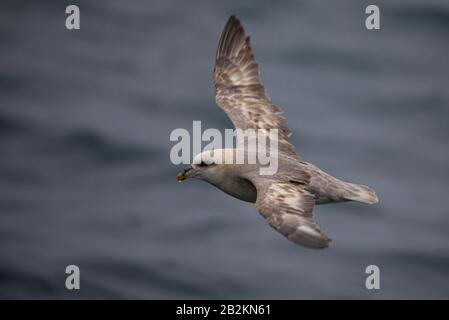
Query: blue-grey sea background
[[85, 173]]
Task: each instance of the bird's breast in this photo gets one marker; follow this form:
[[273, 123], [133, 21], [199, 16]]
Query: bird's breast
[[239, 188]]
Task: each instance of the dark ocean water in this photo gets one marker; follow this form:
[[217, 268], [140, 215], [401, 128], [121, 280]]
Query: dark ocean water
[[85, 174]]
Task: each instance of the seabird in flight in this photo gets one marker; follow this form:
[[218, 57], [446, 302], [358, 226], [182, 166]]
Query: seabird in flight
[[287, 198]]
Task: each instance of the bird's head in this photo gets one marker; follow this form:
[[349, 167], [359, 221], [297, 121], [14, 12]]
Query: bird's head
[[208, 165]]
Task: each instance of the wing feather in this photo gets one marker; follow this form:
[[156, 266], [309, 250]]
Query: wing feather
[[238, 90], [288, 208]]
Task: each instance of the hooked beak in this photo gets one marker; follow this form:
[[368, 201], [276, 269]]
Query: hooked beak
[[181, 176]]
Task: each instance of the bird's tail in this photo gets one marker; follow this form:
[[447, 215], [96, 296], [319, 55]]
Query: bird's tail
[[360, 193]]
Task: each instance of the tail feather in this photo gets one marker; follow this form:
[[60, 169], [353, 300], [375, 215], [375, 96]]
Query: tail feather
[[360, 193]]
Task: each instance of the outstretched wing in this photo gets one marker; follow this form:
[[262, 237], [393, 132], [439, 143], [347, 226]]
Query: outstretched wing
[[288, 207], [238, 90]]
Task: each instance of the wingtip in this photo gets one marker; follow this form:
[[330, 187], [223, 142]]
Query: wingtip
[[233, 20]]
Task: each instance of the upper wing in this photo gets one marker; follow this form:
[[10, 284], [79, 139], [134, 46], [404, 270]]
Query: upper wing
[[288, 208], [238, 90]]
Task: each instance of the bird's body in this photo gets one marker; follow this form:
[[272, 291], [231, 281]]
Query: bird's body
[[235, 180], [287, 197]]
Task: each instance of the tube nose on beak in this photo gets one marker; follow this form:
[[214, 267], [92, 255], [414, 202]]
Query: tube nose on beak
[[181, 176]]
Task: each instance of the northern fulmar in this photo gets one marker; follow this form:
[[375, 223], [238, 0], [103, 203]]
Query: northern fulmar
[[285, 199]]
